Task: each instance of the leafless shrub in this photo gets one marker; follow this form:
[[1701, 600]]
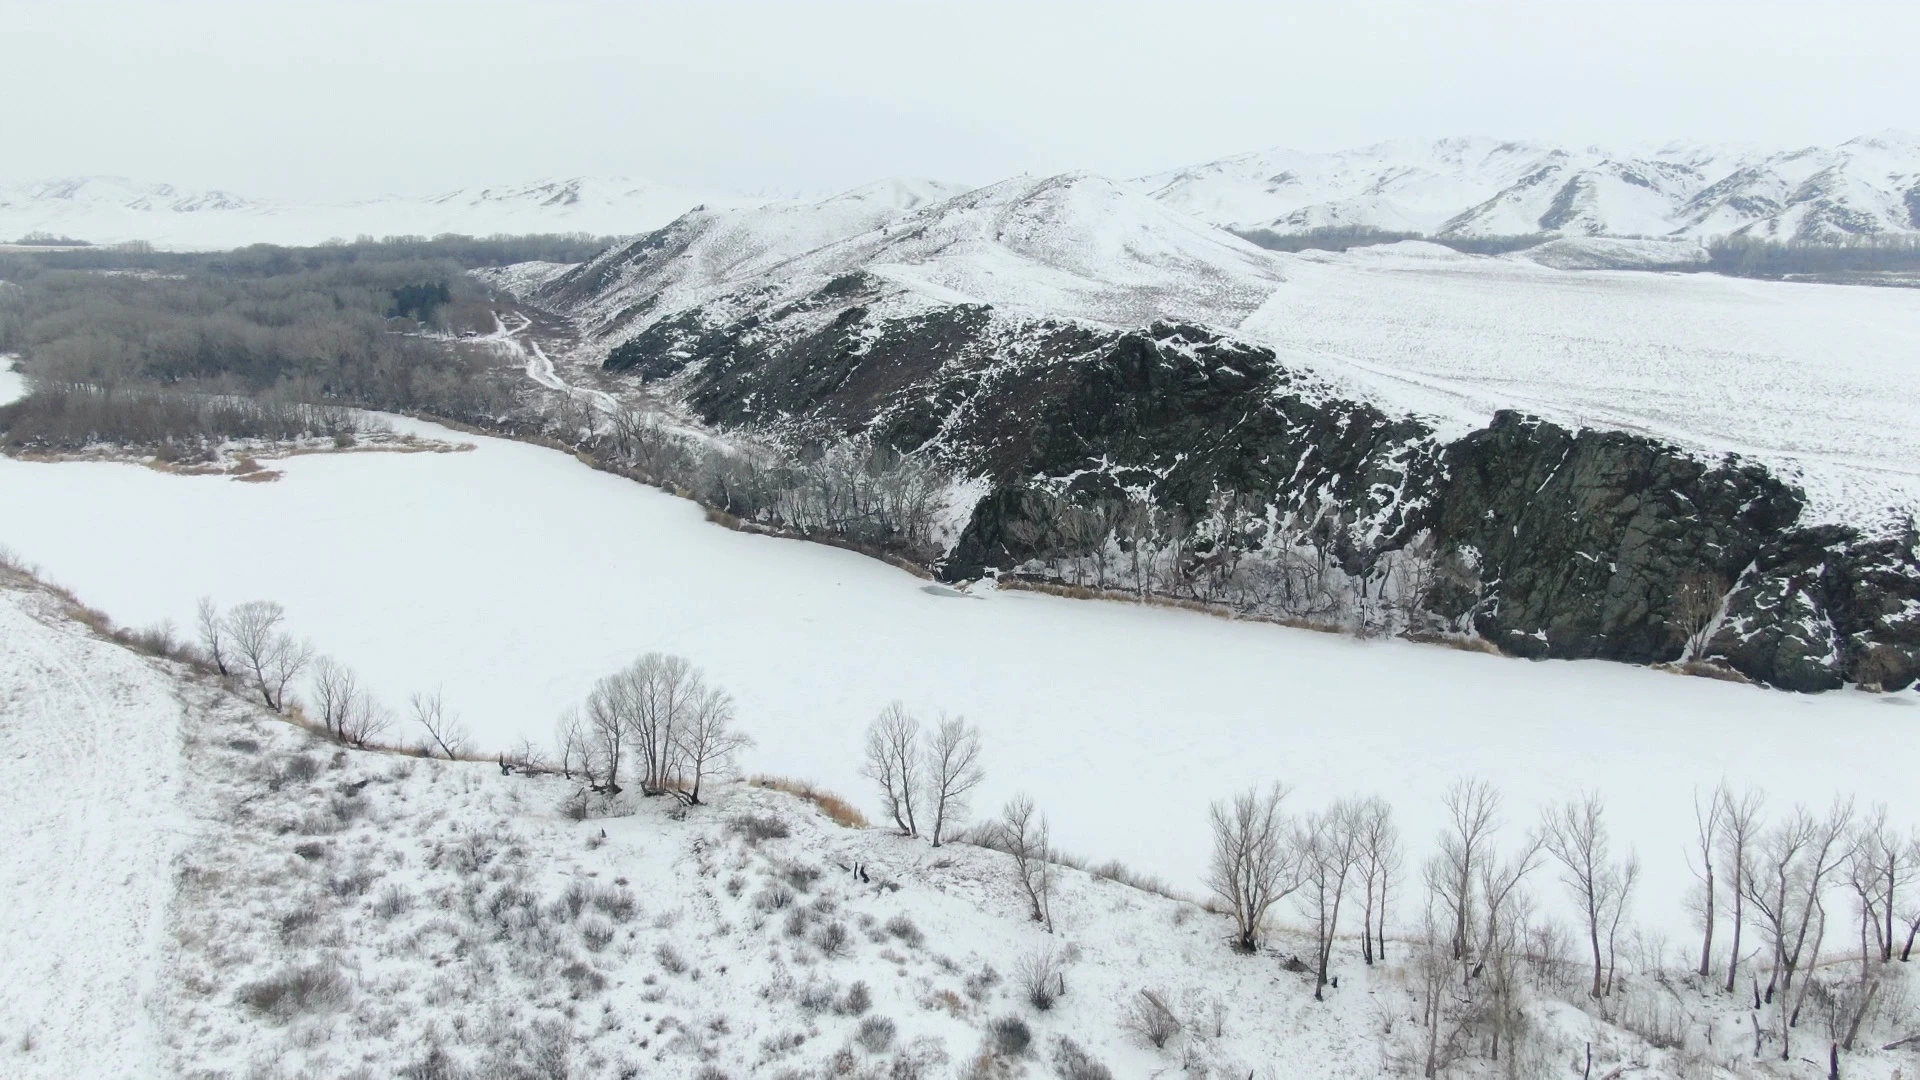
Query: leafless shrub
[[615, 902], [1010, 1035], [1039, 977], [800, 876], [774, 897], [298, 991], [902, 927], [597, 933], [980, 982], [758, 827], [856, 1001], [582, 979], [392, 902], [1148, 1016], [670, 959], [833, 941], [1074, 1063], [819, 995], [875, 1034]]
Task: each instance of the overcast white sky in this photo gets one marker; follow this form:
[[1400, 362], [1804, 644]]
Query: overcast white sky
[[331, 99]]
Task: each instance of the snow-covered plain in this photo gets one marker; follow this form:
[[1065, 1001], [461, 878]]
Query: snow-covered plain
[[1820, 382], [111, 209], [513, 576]]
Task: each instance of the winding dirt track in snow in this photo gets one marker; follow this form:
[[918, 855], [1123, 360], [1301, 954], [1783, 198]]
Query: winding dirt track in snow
[[89, 754]]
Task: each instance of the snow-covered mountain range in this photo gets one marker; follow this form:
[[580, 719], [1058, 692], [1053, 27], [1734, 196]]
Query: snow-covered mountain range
[[1465, 187], [106, 210], [1486, 187]]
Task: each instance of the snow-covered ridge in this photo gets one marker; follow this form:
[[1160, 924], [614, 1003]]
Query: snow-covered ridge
[[105, 210], [1070, 246], [1471, 187]]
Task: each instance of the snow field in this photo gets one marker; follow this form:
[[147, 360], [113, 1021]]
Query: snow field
[[512, 577], [1821, 382], [89, 767]]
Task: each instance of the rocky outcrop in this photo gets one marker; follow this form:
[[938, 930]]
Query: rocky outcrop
[[1564, 544]]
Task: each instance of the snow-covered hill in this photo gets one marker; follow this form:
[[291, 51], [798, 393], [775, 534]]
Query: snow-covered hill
[[195, 887], [105, 210], [1075, 245], [1485, 187]]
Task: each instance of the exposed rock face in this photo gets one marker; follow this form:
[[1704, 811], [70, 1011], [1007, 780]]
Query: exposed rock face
[[1578, 542]]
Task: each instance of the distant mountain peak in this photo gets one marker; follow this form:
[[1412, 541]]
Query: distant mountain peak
[[1476, 186]]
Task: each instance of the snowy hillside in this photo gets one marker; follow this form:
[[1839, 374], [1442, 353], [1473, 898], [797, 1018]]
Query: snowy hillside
[[1484, 187], [1076, 246], [105, 210], [196, 887]]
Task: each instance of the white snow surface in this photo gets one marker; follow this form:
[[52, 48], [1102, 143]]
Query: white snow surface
[[513, 576], [89, 761], [108, 209], [1820, 382], [447, 908], [1488, 187], [1074, 246]]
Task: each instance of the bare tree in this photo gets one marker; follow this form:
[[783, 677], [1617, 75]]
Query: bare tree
[[1024, 834], [705, 737], [213, 634], [334, 689], [605, 732], [1379, 868], [659, 690], [445, 730], [1696, 604], [1740, 825], [1882, 865], [363, 719], [1707, 819], [269, 658], [1473, 813], [1501, 941], [1328, 847], [572, 743], [952, 770], [893, 762], [1253, 865], [1576, 835]]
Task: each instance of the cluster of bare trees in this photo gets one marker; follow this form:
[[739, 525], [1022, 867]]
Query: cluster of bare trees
[[1792, 883], [1240, 553], [1262, 855], [1481, 945], [248, 644], [854, 492], [924, 777], [655, 723], [175, 350], [346, 709]]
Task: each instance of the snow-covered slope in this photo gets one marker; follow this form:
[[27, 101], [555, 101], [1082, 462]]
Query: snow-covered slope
[[1074, 246], [1484, 187], [105, 210], [89, 778]]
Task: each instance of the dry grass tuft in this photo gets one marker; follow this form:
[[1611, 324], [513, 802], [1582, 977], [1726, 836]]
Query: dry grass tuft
[[840, 810]]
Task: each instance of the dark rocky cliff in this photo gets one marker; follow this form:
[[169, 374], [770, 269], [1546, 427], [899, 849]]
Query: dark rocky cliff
[[1564, 544]]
